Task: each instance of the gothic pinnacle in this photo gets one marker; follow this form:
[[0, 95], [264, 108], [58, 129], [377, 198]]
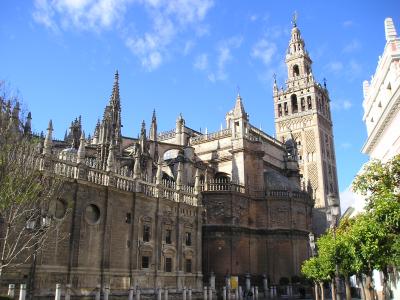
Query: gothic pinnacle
[[81, 149], [110, 158], [48, 142]]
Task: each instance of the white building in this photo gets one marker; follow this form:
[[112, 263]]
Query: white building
[[382, 101], [382, 115]]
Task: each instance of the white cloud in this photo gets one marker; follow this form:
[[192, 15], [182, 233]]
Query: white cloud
[[264, 50], [168, 18], [80, 14], [354, 69], [201, 62], [188, 47], [253, 18], [347, 23], [341, 104], [149, 47], [345, 145], [349, 199], [224, 51], [354, 45], [335, 66]]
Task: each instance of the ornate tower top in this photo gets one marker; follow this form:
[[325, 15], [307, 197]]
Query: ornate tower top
[[297, 58]]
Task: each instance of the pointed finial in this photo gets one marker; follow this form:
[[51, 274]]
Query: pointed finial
[[238, 90], [110, 158], [50, 126], [159, 171], [81, 149], [154, 118], [294, 20], [143, 130], [274, 76], [324, 82], [49, 139]]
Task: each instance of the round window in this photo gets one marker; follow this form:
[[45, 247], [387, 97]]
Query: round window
[[92, 213]]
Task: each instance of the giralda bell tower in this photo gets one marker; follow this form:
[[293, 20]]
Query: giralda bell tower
[[302, 113]]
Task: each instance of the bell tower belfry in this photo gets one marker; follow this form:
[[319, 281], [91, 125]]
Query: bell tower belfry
[[302, 112]]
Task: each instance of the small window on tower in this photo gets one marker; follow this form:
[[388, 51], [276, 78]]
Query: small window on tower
[[296, 71], [279, 110], [303, 104], [293, 100], [309, 104], [285, 108]]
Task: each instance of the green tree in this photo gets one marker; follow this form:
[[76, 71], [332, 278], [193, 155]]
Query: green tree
[[375, 233], [315, 269]]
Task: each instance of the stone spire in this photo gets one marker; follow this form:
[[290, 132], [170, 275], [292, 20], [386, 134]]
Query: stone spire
[[297, 59], [275, 87], [81, 149], [48, 141], [153, 127], [143, 130], [110, 158], [180, 130], [28, 125], [239, 111], [179, 176], [136, 167], [115, 99], [110, 127], [197, 186], [143, 137], [390, 30], [95, 140], [159, 172]]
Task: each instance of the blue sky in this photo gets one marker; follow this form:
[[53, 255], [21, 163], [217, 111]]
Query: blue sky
[[190, 57]]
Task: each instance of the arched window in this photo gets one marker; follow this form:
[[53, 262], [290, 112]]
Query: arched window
[[296, 71], [293, 100], [222, 177]]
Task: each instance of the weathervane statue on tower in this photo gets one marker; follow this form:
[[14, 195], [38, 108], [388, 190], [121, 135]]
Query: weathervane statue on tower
[[294, 20]]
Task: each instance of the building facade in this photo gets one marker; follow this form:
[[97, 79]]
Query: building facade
[[382, 101], [302, 113], [168, 209], [382, 118]]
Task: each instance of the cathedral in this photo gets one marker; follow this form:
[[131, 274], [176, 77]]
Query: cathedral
[[175, 208]]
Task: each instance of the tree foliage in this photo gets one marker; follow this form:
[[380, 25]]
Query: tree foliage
[[26, 193], [371, 239]]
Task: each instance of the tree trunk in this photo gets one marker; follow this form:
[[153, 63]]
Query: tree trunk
[[321, 284], [316, 291], [369, 287], [348, 289], [384, 284], [333, 289], [361, 281]]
